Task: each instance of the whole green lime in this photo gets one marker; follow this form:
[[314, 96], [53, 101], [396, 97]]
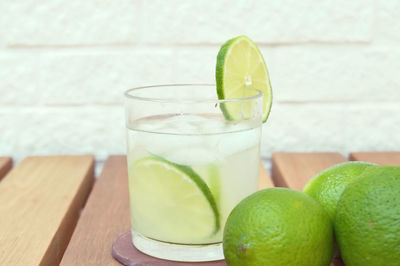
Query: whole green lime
[[278, 226], [327, 186], [367, 220]]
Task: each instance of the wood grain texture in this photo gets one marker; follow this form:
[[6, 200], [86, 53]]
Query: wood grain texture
[[40, 203], [5, 166], [265, 180], [106, 217], [383, 158], [293, 170]]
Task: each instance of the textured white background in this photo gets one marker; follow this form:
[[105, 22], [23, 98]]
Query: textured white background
[[334, 66]]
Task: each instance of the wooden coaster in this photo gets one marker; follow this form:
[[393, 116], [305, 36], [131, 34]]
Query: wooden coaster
[[125, 252]]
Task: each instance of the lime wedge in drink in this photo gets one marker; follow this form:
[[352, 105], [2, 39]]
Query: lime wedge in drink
[[186, 209], [210, 174], [240, 68]]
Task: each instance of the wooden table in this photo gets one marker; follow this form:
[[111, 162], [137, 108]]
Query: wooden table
[[53, 211]]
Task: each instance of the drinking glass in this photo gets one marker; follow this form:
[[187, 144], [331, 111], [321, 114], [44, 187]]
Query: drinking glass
[[191, 158]]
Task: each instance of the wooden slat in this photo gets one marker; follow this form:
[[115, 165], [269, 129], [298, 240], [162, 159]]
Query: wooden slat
[[265, 180], [40, 203], [383, 158], [106, 216], [293, 170], [5, 166]]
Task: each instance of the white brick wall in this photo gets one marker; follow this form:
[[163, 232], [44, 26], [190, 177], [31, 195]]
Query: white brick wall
[[334, 67], [49, 22]]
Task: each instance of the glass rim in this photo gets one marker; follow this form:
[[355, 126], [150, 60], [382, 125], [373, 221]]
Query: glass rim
[[129, 96]]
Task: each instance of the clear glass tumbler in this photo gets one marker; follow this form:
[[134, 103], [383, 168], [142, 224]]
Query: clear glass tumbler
[[191, 159]]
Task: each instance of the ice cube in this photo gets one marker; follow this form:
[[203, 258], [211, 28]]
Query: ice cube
[[192, 156]]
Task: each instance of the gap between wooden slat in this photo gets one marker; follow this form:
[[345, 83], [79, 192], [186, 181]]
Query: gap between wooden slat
[[265, 180], [293, 170], [41, 199], [104, 218], [5, 166]]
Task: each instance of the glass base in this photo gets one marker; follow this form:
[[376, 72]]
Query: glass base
[[175, 252]]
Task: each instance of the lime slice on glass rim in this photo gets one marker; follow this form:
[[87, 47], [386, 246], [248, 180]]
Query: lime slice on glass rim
[[173, 202], [240, 69]]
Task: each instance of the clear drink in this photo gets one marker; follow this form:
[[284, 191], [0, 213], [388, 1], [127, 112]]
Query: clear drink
[[227, 162], [187, 170]]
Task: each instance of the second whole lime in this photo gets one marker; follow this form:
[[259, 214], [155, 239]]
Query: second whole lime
[[278, 226], [327, 186]]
